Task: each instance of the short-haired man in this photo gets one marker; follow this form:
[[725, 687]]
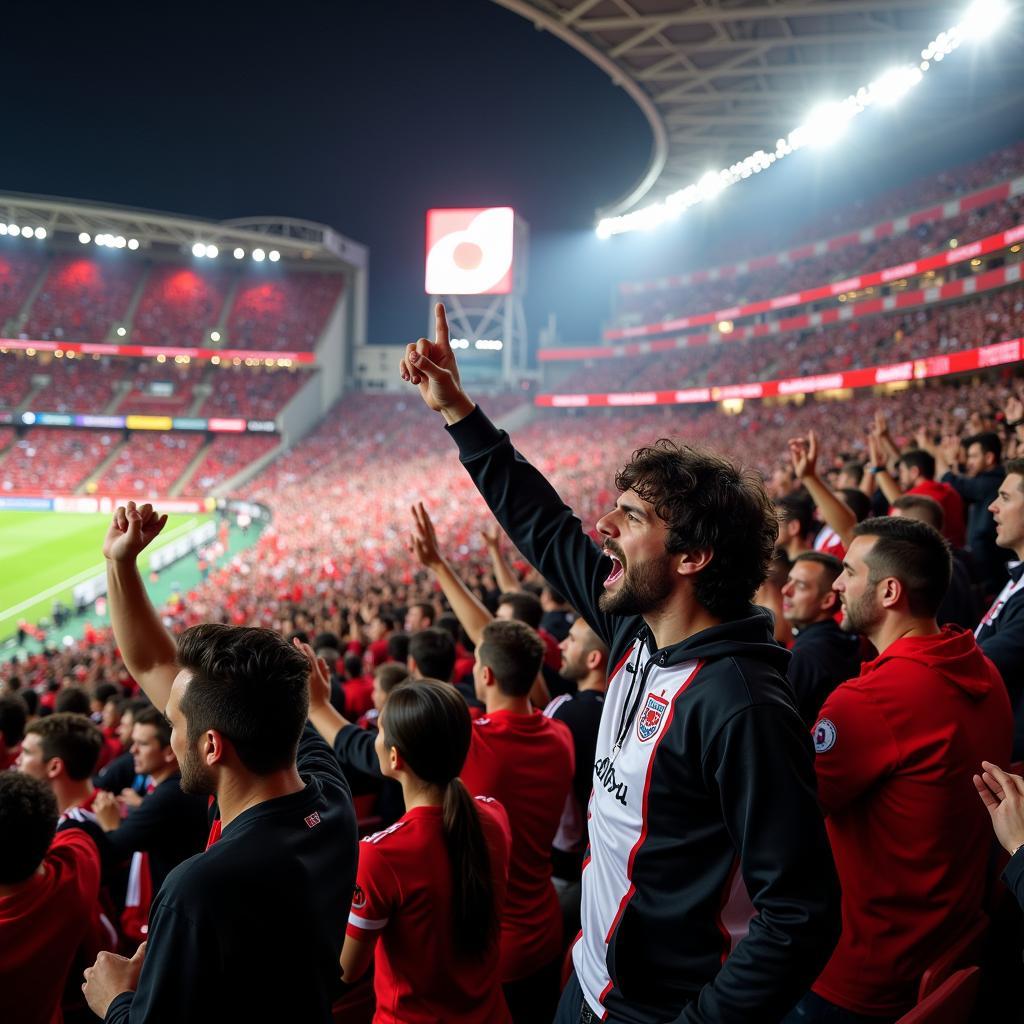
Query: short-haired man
[[62, 750], [978, 488], [895, 747], [523, 760], [170, 824], [704, 779], [960, 605], [252, 928], [585, 667], [797, 527], [431, 654], [1001, 631], [917, 476], [823, 655], [49, 892], [419, 615]]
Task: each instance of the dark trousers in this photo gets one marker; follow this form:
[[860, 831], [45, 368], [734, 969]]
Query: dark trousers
[[532, 1000], [571, 1005], [812, 1009]]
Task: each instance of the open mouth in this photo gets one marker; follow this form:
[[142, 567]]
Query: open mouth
[[617, 571]]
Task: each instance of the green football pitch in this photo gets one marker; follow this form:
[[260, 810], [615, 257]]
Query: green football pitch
[[44, 555]]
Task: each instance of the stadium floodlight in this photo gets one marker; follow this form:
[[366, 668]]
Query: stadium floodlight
[[273, 255], [984, 17], [133, 244], [40, 233], [120, 241], [259, 255], [214, 336], [13, 229], [199, 249], [121, 332], [84, 237], [239, 253], [3, 229], [26, 232], [823, 126], [212, 252]]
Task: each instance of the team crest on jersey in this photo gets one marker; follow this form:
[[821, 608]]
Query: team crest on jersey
[[650, 718], [824, 736], [358, 898]]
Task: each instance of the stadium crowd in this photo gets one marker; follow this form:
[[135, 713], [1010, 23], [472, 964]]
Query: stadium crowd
[[599, 727], [375, 590]]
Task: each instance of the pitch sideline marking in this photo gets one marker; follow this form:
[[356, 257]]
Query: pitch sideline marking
[[85, 574]]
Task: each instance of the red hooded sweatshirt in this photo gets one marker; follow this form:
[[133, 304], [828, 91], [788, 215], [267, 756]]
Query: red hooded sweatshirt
[[896, 748]]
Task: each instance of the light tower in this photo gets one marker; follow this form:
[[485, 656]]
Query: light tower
[[476, 265]]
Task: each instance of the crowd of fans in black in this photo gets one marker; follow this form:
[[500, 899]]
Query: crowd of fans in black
[[739, 760]]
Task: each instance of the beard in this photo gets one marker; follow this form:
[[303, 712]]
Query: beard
[[643, 588], [196, 778], [861, 615]]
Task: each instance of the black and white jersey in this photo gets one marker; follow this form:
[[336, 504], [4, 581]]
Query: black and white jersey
[[709, 892]]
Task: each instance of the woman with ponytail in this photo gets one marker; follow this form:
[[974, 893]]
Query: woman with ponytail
[[431, 888]]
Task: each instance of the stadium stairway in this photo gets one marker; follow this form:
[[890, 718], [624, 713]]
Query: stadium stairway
[[26, 306], [182, 482], [97, 474], [234, 483], [133, 306]]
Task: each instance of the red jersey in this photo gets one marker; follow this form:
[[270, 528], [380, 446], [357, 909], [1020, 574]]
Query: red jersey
[[896, 747], [526, 762], [828, 542], [404, 895], [954, 528], [42, 927]]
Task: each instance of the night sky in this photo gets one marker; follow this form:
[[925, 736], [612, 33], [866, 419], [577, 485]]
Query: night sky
[[363, 115]]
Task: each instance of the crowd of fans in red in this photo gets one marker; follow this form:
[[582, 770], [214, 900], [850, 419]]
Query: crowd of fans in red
[[381, 555]]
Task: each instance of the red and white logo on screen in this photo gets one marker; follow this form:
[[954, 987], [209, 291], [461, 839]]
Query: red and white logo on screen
[[469, 252]]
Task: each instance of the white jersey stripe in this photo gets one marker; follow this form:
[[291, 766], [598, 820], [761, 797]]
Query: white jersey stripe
[[367, 924]]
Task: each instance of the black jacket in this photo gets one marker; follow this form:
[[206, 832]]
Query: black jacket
[[978, 492], [251, 930], [822, 657], [169, 825], [714, 775], [1002, 640], [357, 757]]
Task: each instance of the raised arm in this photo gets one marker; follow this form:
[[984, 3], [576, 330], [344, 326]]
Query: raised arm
[[880, 471], [323, 715], [503, 573], [528, 508], [147, 648], [836, 513], [472, 615]]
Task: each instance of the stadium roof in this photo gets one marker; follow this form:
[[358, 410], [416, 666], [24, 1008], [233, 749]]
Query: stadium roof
[[719, 79], [293, 239]]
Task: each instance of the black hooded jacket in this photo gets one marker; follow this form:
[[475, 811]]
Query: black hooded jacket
[[704, 821]]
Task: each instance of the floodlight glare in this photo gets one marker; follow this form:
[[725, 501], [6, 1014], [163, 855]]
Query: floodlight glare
[[40, 233], [199, 249], [3, 229], [239, 253], [212, 252], [26, 232], [259, 255], [13, 229], [84, 237], [273, 255], [121, 241], [984, 17], [214, 335], [133, 244], [121, 332]]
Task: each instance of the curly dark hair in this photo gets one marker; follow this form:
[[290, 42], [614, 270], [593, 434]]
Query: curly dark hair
[[708, 503], [28, 820]]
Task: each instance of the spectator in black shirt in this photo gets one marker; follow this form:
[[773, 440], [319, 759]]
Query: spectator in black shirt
[[119, 776], [823, 656], [960, 605], [978, 487], [169, 824], [585, 664], [558, 616], [1001, 632], [252, 928]]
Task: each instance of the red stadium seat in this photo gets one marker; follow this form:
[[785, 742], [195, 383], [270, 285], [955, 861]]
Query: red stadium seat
[[967, 950], [950, 1003]]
